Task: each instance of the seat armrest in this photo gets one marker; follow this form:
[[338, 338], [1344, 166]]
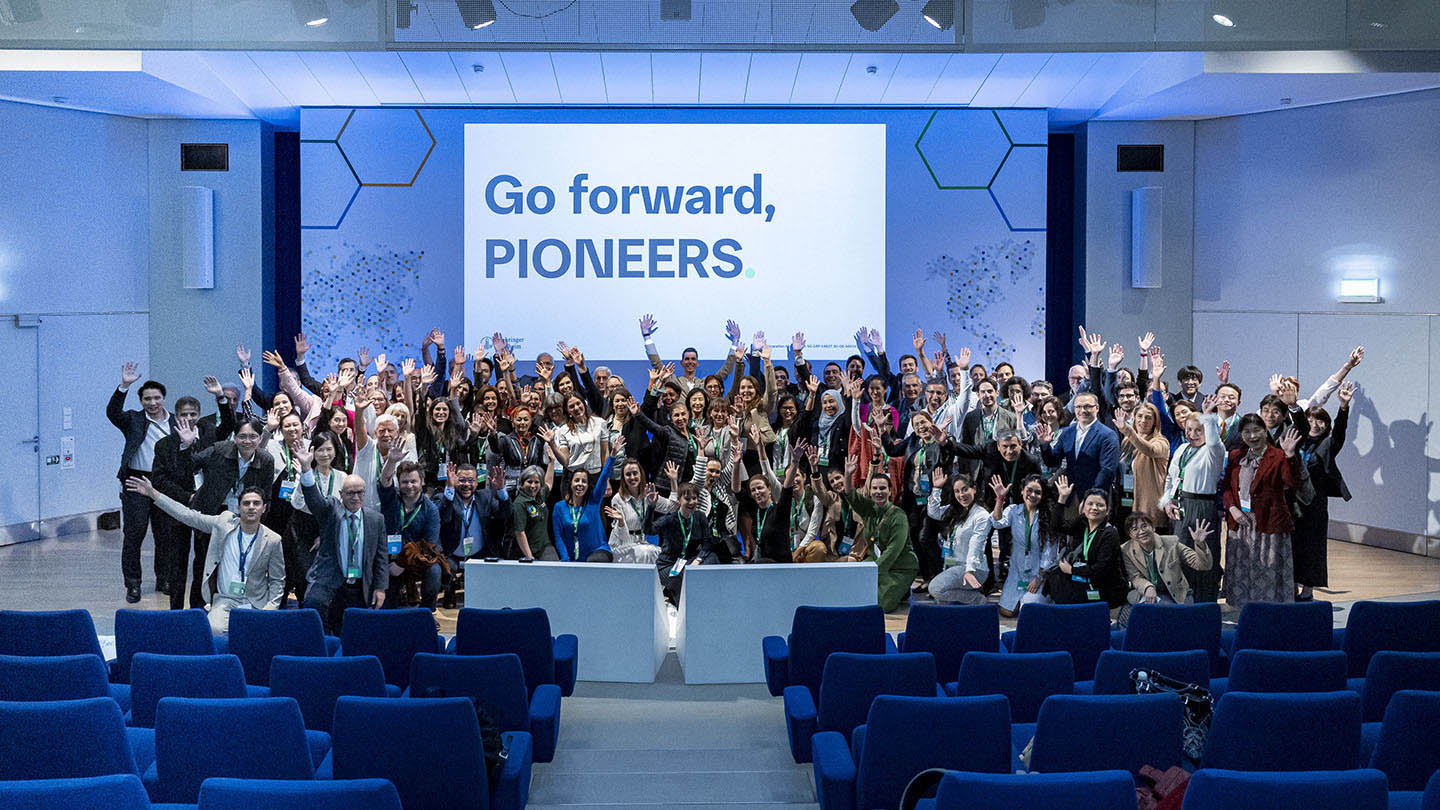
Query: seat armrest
[[567, 661], [900, 641], [222, 645], [890, 647], [545, 721], [332, 645], [952, 689], [1117, 639], [834, 771], [1227, 642], [319, 743], [511, 790], [857, 742], [801, 721], [1007, 640], [776, 651]]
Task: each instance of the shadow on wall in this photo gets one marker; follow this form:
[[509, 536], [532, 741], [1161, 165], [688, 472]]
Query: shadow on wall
[[1396, 447]]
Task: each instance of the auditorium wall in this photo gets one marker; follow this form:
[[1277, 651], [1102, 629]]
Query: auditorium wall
[[383, 219]]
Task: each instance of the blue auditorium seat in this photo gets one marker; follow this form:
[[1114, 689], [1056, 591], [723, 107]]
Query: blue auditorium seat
[[1099, 732], [1389, 672], [1401, 626], [1286, 626], [220, 793], [393, 636], [1408, 746], [55, 632], [499, 680], [63, 739], [316, 683], [1217, 789], [113, 792], [949, 631], [1026, 679], [903, 736], [53, 677], [1429, 799], [1111, 790], [167, 632], [1112, 670], [815, 633], [525, 632], [1083, 631], [1304, 731], [256, 636], [850, 683], [155, 676], [1175, 628], [421, 743], [1285, 671], [249, 738]]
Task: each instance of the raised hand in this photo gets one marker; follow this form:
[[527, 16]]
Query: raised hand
[[1000, 488], [438, 338], [612, 513], [407, 367], [757, 341], [618, 446], [1063, 487], [450, 471], [1173, 510], [272, 358], [506, 361], [247, 379], [362, 358], [648, 325], [546, 434], [1117, 355], [428, 375], [1346, 393], [739, 353], [1289, 441], [938, 478], [213, 387], [396, 454], [1222, 372], [732, 332], [496, 477], [812, 384], [655, 377], [498, 345], [877, 340], [1289, 394], [140, 486], [672, 472], [564, 349], [651, 494], [852, 463], [797, 343], [1085, 340], [328, 386], [1356, 355], [347, 379], [667, 371], [304, 455], [945, 423], [129, 373], [1208, 404], [1200, 531], [940, 338], [919, 341], [1157, 365], [459, 357], [860, 337], [242, 354], [1275, 382], [302, 345], [188, 432], [963, 358], [1044, 432], [764, 349]]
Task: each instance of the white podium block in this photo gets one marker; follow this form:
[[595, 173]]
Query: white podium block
[[615, 609], [725, 610]]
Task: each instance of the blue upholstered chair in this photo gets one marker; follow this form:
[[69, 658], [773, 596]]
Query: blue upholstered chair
[[499, 680], [851, 681], [1098, 732], [420, 744], [1175, 628], [815, 633], [167, 632], [1215, 789], [114, 792], [53, 677], [221, 793], [1408, 748], [1306, 731], [249, 738], [155, 676], [1081, 630], [256, 636], [525, 632], [1389, 672], [903, 736], [1112, 790], [1112, 670], [949, 631], [316, 683], [55, 632], [63, 739], [1375, 626], [1285, 626], [1429, 799], [393, 636], [1285, 671], [1026, 679]]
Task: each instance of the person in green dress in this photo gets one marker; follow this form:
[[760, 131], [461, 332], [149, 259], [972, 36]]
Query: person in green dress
[[884, 530]]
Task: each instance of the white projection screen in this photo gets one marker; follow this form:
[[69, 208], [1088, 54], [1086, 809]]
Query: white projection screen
[[778, 226]]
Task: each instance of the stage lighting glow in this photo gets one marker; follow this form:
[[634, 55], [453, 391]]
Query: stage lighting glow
[[939, 13], [476, 14], [311, 13]]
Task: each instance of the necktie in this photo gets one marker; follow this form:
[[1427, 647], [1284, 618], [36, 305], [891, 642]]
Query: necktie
[[354, 543]]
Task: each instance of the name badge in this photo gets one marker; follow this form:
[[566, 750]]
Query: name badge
[[946, 551], [1022, 585], [287, 488], [677, 567], [844, 546], [467, 547], [236, 588], [480, 474], [392, 543], [440, 472], [1128, 481], [1092, 594], [352, 573]]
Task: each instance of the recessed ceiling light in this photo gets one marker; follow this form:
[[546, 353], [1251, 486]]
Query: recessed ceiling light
[[1221, 19]]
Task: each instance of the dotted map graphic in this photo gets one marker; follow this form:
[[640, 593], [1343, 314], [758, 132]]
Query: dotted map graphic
[[978, 290], [355, 297]]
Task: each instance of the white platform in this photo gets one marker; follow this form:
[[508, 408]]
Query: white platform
[[725, 610], [615, 609]]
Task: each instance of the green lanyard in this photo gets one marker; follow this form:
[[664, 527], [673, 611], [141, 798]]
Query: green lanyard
[[329, 483], [575, 515], [685, 527], [406, 521], [1029, 527], [763, 516], [1150, 568], [1085, 546], [919, 467], [289, 462], [1185, 456]]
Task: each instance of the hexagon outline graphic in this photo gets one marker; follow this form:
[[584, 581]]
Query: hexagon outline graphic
[[346, 158], [988, 187], [418, 168]]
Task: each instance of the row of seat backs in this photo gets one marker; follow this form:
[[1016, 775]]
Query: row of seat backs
[[126, 792]]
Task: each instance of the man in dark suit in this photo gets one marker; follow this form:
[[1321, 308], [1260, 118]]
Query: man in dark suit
[[174, 476], [472, 520], [984, 422], [352, 565], [1089, 450]]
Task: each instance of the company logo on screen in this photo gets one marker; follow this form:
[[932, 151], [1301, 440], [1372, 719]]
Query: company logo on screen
[[611, 256]]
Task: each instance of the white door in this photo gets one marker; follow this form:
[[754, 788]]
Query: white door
[[19, 434]]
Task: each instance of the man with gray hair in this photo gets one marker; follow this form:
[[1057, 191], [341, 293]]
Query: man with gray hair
[[352, 563], [370, 452]]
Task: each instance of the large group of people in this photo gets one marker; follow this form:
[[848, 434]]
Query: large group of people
[[372, 485]]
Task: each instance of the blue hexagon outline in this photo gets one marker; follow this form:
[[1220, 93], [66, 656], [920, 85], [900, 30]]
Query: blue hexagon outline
[[987, 187], [344, 157], [413, 177]]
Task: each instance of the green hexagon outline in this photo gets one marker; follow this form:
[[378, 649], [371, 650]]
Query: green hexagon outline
[[358, 185], [988, 186]]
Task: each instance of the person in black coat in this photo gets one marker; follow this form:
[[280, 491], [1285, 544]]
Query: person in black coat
[[1323, 481], [174, 477], [1090, 566], [923, 451], [685, 539]]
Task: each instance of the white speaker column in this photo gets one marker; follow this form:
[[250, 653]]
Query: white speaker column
[[197, 237], [1147, 221]]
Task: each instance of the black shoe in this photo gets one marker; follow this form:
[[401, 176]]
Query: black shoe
[[132, 593], [161, 586]]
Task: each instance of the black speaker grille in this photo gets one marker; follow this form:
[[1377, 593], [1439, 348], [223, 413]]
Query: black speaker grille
[[204, 157], [1141, 158]]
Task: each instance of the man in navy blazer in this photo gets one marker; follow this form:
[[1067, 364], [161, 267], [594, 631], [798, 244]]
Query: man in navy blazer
[[1090, 451], [352, 565]]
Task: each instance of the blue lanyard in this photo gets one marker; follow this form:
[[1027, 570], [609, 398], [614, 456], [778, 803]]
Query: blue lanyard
[[245, 550]]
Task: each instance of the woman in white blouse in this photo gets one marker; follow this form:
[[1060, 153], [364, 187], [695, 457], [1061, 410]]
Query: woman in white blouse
[[964, 531], [627, 509], [583, 439], [1031, 550]]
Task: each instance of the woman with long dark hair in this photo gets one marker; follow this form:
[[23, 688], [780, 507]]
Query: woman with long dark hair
[[964, 530], [1312, 501], [1032, 549], [1259, 562], [577, 522], [303, 527]]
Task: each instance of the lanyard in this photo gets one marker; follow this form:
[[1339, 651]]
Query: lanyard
[[405, 520], [289, 460], [919, 467], [1085, 546], [685, 527], [1029, 527], [575, 515], [329, 483], [763, 516], [1185, 456], [1014, 469], [694, 447], [466, 512], [244, 549]]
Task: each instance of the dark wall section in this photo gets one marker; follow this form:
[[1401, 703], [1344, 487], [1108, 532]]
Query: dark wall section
[[285, 288], [1064, 277]]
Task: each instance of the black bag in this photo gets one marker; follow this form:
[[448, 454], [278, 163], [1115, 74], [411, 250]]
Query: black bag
[[1197, 700], [922, 786], [492, 741]]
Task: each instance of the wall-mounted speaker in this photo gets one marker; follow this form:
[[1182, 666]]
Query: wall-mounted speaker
[[1147, 232], [197, 237]]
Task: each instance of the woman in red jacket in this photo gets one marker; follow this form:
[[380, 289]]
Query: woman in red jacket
[[1259, 566]]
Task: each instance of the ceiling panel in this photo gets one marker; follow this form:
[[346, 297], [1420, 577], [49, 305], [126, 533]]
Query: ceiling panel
[[723, 77], [866, 78], [434, 74], [962, 77], [627, 77], [772, 77], [387, 77], [489, 84], [818, 80], [287, 72], [1056, 79], [1110, 72], [248, 82], [341, 78], [532, 77], [915, 77], [579, 76], [1009, 79], [675, 78]]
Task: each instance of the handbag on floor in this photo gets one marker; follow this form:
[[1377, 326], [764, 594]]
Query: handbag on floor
[[1197, 700]]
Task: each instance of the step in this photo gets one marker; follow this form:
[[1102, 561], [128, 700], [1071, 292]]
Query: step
[[679, 784]]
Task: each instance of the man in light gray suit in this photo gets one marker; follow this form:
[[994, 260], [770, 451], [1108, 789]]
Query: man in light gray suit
[[352, 565]]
